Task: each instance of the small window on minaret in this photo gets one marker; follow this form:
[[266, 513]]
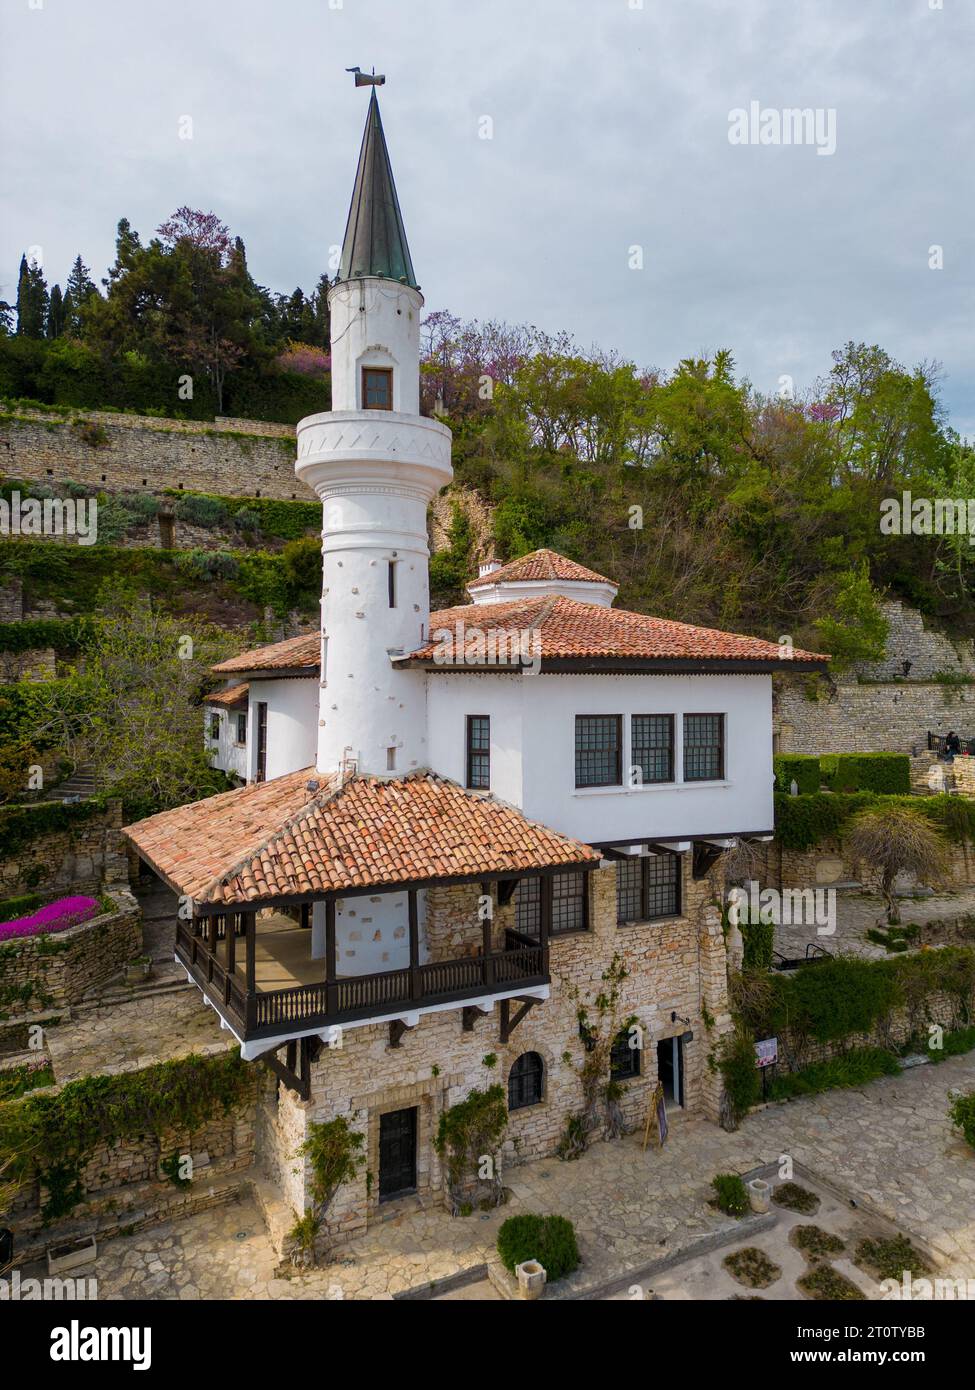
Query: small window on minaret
[[377, 388], [391, 582], [391, 759]]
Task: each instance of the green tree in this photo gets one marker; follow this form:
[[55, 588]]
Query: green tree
[[55, 314], [32, 300]]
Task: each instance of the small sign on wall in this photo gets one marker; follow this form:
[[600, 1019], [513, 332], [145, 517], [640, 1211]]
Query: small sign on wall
[[767, 1052]]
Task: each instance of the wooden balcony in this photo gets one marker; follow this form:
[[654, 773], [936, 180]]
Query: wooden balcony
[[265, 984]]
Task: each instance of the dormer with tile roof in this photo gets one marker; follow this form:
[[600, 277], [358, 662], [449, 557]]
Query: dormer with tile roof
[[540, 573]]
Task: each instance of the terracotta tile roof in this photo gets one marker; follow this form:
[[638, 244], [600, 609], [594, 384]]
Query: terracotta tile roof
[[235, 695], [572, 631], [296, 653], [276, 839], [540, 564]]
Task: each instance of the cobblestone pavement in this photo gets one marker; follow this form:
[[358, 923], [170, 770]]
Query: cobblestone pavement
[[856, 913], [889, 1146]]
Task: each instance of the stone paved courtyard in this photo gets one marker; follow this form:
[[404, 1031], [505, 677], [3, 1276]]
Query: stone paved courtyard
[[856, 913], [889, 1146]]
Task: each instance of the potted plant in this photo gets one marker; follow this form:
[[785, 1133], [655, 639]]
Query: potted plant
[[138, 970]]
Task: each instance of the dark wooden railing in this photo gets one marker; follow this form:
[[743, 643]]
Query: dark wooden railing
[[357, 997]]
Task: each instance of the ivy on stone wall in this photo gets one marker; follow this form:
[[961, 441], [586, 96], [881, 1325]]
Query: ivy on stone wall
[[57, 1133]]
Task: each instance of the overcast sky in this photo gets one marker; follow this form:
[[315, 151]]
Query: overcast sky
[[610, 131]]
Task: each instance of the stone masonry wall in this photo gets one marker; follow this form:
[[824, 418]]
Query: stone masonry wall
[[83, 857], [247, 458], [828, 863], [58, 968], [928, 651], [674, 966], [890, 718]]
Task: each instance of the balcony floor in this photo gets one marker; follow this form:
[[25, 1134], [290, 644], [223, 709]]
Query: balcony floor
[[282, 957]]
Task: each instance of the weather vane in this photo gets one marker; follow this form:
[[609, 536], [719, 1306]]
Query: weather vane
[[365, 79]]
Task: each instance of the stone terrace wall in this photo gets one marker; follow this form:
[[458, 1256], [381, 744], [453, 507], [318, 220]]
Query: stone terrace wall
[[889, 718], [674, 966], [828, 863], [236, 458], [928, 650], [126, 1188], [58, 968], [82, 858]]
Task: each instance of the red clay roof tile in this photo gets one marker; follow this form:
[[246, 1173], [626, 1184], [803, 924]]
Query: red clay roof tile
[[280, 838], [540, 564]]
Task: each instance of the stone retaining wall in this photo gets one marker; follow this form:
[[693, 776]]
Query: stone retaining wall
[[58, 968], [81, 857], [244, 458], [890, 718], [829, 863]]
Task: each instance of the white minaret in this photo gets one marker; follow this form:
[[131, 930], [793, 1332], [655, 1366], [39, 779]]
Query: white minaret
[[376, 463]]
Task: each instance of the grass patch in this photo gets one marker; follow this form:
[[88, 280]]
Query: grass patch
[[888, 1259], [855, 1068], [815, 1243], [795, 1198], [824, 1283], [954, 1044], [752, 1267]]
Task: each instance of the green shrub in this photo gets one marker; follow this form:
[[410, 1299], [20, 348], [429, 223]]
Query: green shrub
[[802, 822], [826, 1283], [890, 1258], [759, 941], [801, 768], [962, 1115], [551, 1240], [203, 511], [885, 773], [736, 1063], [854, 1068], [816, 1243], [730, 1194], [208, 564], [793, 1197]]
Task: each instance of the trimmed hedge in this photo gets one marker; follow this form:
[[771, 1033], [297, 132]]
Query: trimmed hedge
[[801, 768], [285, 520], [803, 821], [886, 773], [551, 1240]]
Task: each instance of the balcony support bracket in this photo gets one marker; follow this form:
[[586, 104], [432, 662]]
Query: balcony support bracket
[[509, 1021], [397, 1027]]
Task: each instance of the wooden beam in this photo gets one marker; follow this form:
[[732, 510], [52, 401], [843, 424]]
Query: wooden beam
[[396, 1030], [250, 928], [506, 890], [291, 1078], [416, 984], [469, 1016], [509, 1021]]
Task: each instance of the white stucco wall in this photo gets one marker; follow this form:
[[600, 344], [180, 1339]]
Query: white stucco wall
[[372, 933], [292, 725], [533, 750], [226, 753], [375, 323]]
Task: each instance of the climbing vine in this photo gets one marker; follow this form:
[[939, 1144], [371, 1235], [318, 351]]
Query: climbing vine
[[56, 1133], [468, 1139], [332, 1150], [601, 1093]]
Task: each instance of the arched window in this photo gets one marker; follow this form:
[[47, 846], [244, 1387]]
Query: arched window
[[525, 1081]]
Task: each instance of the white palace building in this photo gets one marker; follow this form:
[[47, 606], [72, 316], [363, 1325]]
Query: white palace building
[[453, 824]]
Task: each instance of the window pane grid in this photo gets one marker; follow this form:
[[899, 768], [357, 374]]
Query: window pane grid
[[661, 877], [525, 1081], [479, 752], [528, 907], [652, 751], [648, 887], [624, 1060], [568, 903], [703, 747], [629, 903], [597, 750]]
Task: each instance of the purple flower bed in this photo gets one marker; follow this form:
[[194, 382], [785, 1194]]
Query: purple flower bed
[[56, 916]]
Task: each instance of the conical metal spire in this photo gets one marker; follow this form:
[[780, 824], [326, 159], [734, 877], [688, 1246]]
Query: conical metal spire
[[375, 238]]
